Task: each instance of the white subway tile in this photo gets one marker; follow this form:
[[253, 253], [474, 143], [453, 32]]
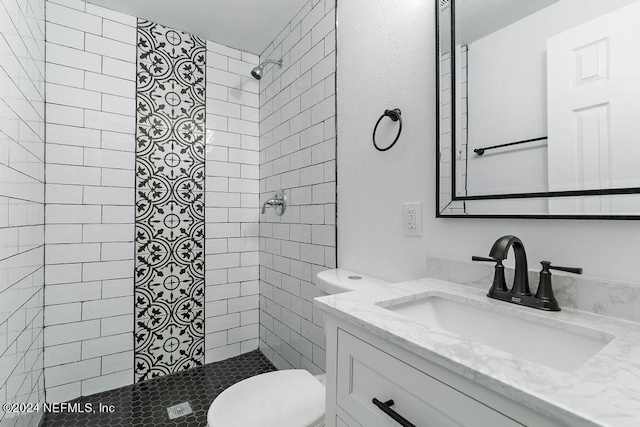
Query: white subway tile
[[239, 185], [62, 55], [118, 178], [118, 141], [219, 230], [72, 18], [73, 97], [72, 253], [69, 214], [116, 325], [243, 333], [111, 14], [217, 91], [69, 135], [244, 127], [63, 75], [101, 233], [117, 362], [214, 340], [64, 174], [65, 36], [222, 291], [117, 68], [221, 323], [324, 110], [223, 50], [244, 156], [223, 78], [64, 154], [107, 270], [111, 85], [224, 139], [67, 233], [61, 354], [242, 274], [117, 31], [118, 287], [107, 382], [117, 214], [62, 313], [72, 332], [63, 393], [71, 372], [108, 158], [63, 115], [110, 48], [107, 345], [119, 105], [60, 274], [218, 61]]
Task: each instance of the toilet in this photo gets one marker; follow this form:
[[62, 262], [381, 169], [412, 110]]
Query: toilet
[[287, 398]]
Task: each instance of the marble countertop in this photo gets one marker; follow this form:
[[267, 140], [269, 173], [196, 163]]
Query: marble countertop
[[604, 391]]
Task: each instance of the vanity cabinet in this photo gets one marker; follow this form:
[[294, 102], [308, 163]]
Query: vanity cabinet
[[364, 367]]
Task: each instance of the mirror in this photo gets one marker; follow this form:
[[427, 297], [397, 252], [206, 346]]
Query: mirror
[[538, 108]]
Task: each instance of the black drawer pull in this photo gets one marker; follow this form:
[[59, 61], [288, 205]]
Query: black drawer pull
[[386, 408]]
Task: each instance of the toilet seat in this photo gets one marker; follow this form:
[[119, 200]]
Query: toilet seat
[[288, 398]]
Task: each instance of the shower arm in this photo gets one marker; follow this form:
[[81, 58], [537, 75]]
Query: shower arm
[[272, 61]]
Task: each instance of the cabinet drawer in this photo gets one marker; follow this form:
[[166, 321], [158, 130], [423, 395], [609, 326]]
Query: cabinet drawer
[[365, 372]]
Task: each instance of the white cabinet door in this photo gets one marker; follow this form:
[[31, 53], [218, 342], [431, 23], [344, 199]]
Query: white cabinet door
[[594, 98], [364, 372]]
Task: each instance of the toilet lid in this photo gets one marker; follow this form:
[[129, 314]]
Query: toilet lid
[[289, 398]]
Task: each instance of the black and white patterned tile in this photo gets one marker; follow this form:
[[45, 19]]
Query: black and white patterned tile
[[170, 176], [145, 404]]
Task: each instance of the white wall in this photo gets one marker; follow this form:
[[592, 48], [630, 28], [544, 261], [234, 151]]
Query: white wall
[[21, 207], [386, 58], [91, 57]]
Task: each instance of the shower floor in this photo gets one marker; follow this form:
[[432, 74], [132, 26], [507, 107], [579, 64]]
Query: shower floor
[[145, 404]]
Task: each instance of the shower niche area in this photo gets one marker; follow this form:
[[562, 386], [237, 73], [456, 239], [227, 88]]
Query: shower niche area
[[144, 245]]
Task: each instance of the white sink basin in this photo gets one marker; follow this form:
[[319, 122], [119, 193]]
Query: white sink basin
[[555, 344]]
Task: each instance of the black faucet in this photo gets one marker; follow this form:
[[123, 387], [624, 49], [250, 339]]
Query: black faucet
[[520, 292], [500, 250]]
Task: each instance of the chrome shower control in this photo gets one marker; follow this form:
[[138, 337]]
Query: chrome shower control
[[279, 202]]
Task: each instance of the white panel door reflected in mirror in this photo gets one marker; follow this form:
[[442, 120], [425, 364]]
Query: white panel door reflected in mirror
[[546, 98]]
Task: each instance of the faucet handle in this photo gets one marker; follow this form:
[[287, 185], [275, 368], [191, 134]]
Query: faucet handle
[[547, 265], [499, 282], [481, 258], [545, 289]]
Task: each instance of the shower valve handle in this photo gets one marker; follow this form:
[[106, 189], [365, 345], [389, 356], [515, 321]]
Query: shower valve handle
[[279, 202]]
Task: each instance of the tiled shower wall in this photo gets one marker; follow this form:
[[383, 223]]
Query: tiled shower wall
[[91, 72], [90, 159], [232, 241], [297, 153], [21, 206]]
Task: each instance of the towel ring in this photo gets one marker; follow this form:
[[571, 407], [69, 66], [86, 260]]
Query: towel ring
[[394, 115]]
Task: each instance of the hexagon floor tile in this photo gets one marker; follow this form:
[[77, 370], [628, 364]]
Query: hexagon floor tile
[[145, 404]]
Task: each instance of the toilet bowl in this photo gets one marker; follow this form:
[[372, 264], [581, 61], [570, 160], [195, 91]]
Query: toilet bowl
[[287, 398]]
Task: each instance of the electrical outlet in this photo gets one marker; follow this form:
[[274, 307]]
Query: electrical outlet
[[412, 219]]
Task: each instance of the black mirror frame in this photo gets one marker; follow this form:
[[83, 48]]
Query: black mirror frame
[[454, 198]]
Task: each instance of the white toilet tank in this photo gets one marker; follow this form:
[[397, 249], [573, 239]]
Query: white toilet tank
[[340, 280]]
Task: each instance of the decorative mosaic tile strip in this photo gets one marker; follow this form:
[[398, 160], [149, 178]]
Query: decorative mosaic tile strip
[[170, 176]]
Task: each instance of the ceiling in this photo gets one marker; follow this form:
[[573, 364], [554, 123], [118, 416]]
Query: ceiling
[[248, 25], [479, 18]]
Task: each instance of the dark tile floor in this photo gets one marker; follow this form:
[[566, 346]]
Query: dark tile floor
[[145, 404]]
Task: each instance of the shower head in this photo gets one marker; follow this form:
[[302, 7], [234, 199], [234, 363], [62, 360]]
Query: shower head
[[258, 71]]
